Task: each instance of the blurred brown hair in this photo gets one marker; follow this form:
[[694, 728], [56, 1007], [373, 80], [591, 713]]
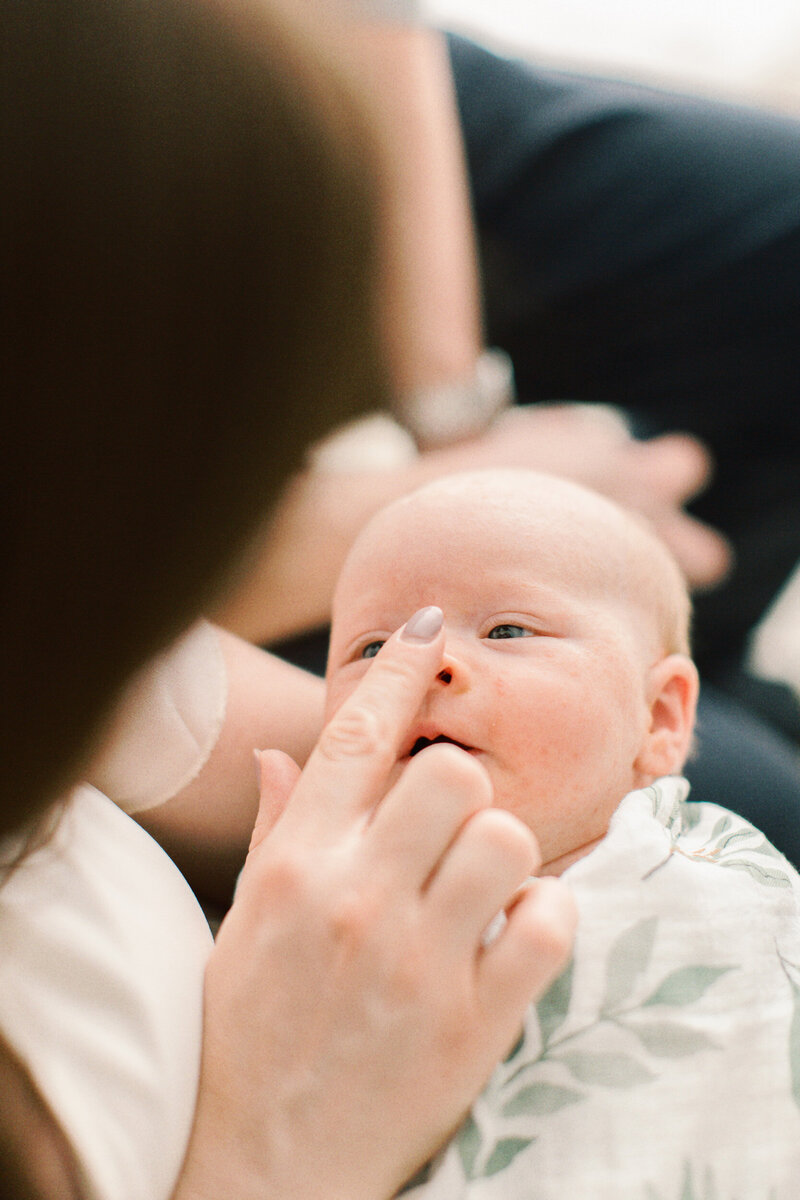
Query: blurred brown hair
[[187, 269]]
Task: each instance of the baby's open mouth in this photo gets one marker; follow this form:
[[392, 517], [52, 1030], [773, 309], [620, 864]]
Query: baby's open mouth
[[422, 742]]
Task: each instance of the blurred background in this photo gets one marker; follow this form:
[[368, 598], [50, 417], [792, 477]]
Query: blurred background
[[732, 48]]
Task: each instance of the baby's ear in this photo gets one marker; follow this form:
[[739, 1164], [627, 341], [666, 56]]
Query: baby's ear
[[673, 686]]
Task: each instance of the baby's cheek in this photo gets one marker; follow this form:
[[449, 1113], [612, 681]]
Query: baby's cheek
[[500, 686]]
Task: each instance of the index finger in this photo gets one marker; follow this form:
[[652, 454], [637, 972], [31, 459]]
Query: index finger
[[347, 773]]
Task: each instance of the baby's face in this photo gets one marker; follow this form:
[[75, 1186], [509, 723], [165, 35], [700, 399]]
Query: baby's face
[[545, 671]]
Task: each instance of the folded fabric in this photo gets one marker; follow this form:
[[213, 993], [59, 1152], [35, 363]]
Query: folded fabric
[[664, 1064]]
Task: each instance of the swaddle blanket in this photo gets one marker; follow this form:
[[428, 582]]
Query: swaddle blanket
[[664, 1064]]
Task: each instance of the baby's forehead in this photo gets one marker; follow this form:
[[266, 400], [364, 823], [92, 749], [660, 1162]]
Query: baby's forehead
[[529, 521], [512, 518], [476, 508]]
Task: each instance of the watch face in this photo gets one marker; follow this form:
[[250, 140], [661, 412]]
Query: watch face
[[443, 414]]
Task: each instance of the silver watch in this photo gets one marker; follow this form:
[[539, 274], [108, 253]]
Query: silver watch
[[449, 412]]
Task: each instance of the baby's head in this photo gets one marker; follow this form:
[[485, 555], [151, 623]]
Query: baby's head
[[566, 669]]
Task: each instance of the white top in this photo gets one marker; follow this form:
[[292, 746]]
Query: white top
[[104, 945], [101, 984]]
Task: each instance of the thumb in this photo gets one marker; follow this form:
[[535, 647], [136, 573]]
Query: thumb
[[277, 775]]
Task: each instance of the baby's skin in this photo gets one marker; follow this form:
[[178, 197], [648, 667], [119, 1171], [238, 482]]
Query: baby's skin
[[566, 674]]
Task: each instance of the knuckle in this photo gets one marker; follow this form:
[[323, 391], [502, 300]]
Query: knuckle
[[352, 918], [506, 835], [282, 880], [551, 925], [394, 672], [357, 731]]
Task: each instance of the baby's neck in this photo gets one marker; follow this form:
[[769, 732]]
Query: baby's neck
[[557, 866]]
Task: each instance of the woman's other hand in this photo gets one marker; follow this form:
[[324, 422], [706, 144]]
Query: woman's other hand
[[353, 1012]]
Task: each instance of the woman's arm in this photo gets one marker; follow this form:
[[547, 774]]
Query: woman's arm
[[429, 277], [430, 296]]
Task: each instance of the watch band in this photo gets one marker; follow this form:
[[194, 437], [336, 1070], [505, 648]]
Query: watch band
[[450, 412]]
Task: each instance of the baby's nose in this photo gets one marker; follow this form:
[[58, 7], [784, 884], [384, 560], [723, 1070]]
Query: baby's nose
[[455, 672]]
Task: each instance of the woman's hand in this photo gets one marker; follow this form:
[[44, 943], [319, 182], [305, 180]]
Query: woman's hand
[[352, 1012], [591, 444]]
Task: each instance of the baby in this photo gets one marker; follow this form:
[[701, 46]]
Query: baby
[[665, 1063]]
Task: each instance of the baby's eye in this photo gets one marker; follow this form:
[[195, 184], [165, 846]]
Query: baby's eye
[[509, 631], [371, 649]]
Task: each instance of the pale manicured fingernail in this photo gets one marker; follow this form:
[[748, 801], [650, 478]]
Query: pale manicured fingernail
[[424, 625]]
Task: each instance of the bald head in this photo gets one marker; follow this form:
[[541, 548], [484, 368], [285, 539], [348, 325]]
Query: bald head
[[554, 525]]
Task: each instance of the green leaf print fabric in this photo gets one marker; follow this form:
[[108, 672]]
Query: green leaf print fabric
[[665, 1061]]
